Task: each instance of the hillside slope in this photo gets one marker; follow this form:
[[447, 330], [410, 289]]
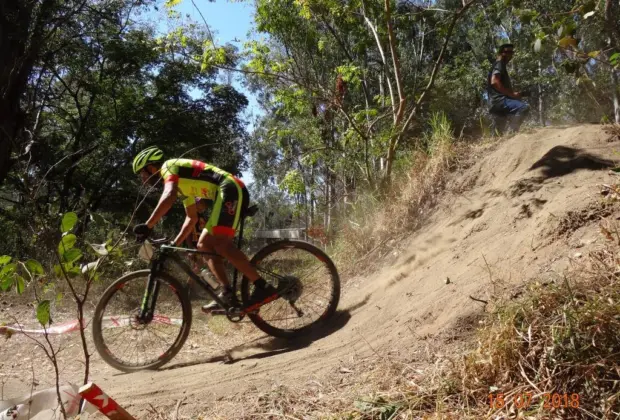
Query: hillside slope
[[502, 221], [523, 210]]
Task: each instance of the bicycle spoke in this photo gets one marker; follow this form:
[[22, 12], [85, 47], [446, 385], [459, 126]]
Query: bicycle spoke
[[139, 344]]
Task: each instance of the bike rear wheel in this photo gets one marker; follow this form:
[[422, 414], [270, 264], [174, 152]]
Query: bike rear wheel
[[129, 345], [312, 283]]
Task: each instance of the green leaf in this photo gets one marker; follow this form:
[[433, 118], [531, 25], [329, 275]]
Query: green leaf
[[59, 297], [74, 271], [98, 219], [34, 267], [171, 3], [8, 270], [20, 284], [43, 312], [72, 255], [58, 270], [6, 283], [66, 243], [68, 221], [99, 248], [5, 259]]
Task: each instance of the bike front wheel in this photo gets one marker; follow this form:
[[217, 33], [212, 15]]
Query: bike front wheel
[[129, 345], [311, 284]]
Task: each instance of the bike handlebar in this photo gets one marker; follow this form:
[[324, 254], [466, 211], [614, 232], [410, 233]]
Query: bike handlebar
[[161, 241]]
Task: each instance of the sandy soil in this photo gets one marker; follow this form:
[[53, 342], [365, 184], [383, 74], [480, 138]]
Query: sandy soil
[[504, 221]]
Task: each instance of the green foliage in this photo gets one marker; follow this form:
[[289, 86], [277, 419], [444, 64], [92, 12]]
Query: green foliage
[[293, 183], [68, 221], [34, 267], [43, 312], [71, 255], [66, 243], [98, 219], [350, 73]]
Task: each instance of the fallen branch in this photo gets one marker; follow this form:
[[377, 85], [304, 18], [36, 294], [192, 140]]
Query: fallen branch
[[176, 411], [479, 300]]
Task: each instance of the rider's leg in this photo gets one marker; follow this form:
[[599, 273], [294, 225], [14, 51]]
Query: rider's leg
[[215, 264], [229, 204], [223, 245]]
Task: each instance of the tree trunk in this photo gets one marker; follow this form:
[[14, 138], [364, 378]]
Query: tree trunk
[[311, 219], [22, 28], [612, 8], [541, 111], [326, 210], [616, 95]]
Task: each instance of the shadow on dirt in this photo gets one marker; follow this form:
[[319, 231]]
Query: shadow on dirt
[[267, 346], [563, 160]]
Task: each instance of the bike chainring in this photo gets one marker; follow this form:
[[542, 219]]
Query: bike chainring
[[234, 314]]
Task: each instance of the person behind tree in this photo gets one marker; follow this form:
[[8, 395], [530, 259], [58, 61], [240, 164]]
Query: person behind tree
[[503, 100]]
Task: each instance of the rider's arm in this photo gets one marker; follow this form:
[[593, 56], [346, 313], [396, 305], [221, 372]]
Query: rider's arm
[[189, 225], [167, 199], [498, 86]]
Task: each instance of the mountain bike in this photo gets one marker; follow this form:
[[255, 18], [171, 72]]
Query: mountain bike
[[143, 319]]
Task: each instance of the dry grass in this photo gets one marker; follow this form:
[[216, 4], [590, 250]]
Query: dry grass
[[374, 220], [613, 130]]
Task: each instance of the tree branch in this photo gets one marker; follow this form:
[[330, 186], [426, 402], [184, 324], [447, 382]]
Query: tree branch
[[437, 65]]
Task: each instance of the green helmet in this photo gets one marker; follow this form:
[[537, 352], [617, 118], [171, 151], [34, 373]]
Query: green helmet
[[150, 154]]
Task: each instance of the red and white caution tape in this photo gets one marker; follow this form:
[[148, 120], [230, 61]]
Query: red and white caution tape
[[115, 321], [106, 405], [63, 328]]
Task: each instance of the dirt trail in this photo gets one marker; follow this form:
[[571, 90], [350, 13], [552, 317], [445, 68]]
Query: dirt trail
[[495, 222]]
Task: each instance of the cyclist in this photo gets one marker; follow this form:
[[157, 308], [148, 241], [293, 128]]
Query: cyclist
[[194, 179]]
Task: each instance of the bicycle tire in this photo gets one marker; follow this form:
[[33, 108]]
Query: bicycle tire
[[178, 288], [333, 299]]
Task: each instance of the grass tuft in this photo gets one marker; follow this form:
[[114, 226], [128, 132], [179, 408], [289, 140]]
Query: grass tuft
[[372, 220]]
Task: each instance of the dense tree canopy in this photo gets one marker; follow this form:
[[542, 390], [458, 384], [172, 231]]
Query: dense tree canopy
[[104, 86], [347, 89], [349, 86]]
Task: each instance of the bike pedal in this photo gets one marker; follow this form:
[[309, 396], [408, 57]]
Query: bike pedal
[[215, 312]]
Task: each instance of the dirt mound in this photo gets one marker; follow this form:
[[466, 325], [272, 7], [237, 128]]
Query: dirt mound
[[518, 213]]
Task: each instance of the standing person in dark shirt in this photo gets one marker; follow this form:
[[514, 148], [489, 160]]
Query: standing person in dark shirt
[[503, 100]]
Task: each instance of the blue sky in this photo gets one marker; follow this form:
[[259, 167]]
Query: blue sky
[[230, 23]]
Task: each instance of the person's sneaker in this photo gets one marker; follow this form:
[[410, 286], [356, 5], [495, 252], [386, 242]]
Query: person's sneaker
[[261, 296], [225, 295]]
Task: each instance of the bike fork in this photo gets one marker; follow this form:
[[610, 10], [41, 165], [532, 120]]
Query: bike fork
[[147, 308]]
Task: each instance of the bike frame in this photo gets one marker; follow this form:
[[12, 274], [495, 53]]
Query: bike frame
[[166, 252]]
